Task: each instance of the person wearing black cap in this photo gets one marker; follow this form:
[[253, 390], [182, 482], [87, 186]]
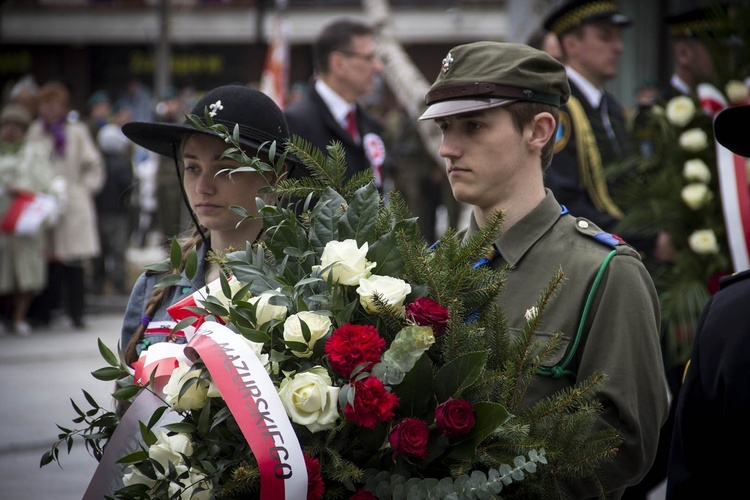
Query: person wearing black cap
[[593, 130], [710, 432], [497, 105], [690, 31], [210, 192]]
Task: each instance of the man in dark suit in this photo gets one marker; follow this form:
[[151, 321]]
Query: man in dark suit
[[347, 66], [710, 433]]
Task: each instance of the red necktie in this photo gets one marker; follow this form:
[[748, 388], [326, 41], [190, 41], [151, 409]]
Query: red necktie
[[351, 124]]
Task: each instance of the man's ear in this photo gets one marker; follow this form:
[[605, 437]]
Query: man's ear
[[542, 129]]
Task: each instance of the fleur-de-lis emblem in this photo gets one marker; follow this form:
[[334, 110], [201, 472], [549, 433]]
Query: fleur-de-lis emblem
[[447, 63], [215, 108]]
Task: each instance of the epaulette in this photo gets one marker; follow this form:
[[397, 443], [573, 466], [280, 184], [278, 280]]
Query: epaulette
[[733, 278], [584, 226]]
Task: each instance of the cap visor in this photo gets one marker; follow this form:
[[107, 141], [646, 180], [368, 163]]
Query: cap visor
[[460, 106], [730, 129]]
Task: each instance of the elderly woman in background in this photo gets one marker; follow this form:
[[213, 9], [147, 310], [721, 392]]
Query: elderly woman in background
[[25, 175], [74, 239]]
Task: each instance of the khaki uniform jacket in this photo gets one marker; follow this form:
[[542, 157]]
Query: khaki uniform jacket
[[621, 334]]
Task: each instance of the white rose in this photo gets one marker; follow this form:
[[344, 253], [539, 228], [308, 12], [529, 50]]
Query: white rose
[[392, 291], [187, 489], [257, 349], [696, 170], [736, 91], [703, 242], [316, 323], [348, 262], [167, 449], [135, 477], [694, 140], [195, 397], [311, 399], [696, 195], [264, 311], [680, 110]]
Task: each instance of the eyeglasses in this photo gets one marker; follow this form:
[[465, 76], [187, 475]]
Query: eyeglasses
[[368, 58]]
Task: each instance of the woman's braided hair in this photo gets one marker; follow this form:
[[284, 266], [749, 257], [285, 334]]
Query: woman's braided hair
[[187, 242]]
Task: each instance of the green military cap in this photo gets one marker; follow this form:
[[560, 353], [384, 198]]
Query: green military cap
[[483, 75], [579, 12]]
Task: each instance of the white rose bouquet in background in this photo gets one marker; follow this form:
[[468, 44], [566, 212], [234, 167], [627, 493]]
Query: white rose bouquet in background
[[389, 359], [677, 192]]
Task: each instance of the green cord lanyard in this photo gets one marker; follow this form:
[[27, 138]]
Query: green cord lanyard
[[559, 370]]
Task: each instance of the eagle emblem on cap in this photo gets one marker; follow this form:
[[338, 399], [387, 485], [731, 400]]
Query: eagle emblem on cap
[[447, 63]]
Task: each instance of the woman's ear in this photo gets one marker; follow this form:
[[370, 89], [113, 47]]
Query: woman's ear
[[543, 127]]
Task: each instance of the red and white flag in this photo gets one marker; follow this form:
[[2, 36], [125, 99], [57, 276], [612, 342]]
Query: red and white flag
[[735, 194], [27, 212], [274, 81]]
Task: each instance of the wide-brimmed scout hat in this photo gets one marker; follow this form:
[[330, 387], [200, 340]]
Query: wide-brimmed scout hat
[[259, 118], [483, 75], [571, 15], [730, 129]]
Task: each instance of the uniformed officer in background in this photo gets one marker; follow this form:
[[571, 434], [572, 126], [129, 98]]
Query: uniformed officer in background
[[707, 457], [593, 132], [497, 106]]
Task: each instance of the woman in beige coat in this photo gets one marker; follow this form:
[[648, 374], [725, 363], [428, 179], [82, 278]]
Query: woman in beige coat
[[74, 239]]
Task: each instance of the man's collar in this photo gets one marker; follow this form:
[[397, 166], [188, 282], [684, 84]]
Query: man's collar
[[338, 106], [593, 95]]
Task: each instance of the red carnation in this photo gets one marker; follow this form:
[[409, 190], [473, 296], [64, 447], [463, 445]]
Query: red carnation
[[454, 417], [372, 403], [427, 312], [351, 345], [315, 486], [363, 495], [410, 437]]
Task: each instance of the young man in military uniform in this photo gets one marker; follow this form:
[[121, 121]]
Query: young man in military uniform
[[710, 435], [497, 106]]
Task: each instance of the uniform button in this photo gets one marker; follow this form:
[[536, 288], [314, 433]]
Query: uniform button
[[583, 224]]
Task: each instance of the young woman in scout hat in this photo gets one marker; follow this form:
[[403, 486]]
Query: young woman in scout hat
[[210, 190]]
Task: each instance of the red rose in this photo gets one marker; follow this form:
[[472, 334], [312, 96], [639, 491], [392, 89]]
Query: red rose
[[427, 312], [351, 345], [315, 486], [454, 417], [372, 403], [410, 437], [363, 495]]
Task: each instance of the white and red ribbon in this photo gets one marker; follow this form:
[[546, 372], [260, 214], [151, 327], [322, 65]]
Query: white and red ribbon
[[256, 406], [735, 194]]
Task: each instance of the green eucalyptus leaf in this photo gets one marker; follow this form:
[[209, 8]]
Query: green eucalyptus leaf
[[175, 254], [191, 264], [158, 267], [107, 354], [107, 373], [169, 280]]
